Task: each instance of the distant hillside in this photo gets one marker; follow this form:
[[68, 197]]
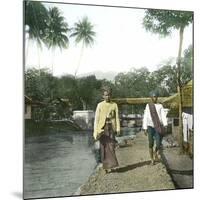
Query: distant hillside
[[101, 75]]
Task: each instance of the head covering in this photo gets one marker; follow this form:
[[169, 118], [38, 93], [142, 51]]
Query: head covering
[[107, 89], [154, 93]]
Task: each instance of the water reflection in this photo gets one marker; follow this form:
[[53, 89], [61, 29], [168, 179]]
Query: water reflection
[[57, 164]]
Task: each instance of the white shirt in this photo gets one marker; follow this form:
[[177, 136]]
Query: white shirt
[[147, 120]]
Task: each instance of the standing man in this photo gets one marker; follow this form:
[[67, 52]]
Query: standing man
[[153, 121], [106, 126]]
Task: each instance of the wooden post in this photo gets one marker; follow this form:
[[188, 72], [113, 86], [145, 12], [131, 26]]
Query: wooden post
[[179, 89]]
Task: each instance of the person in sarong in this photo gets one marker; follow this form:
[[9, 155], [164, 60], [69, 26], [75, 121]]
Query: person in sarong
[[106, 126], [150, 123]]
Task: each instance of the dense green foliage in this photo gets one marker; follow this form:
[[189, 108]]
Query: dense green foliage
[[187, 63], [60, 96], [36, 17], [57, 97], [164, 21]]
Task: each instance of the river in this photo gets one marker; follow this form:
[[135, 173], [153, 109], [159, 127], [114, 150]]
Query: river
[[58, 164]]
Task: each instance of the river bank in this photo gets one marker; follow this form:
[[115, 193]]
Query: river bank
[[54, 166], [37, 128], [133, 174]]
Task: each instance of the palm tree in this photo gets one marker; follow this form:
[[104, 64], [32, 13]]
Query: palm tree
[[83, 32], [36, 16], [56, 34]]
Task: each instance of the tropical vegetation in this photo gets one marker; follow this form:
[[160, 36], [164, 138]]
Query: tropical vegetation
[[70, 93], [162, 22], [59, 96]]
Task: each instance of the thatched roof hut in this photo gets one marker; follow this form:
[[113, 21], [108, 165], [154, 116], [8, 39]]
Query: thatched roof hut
[[172, 102]]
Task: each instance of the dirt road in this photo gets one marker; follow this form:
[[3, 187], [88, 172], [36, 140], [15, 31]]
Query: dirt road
[[133, 174]]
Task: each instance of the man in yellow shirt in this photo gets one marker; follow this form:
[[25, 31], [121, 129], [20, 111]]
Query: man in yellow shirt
[[106, 126]]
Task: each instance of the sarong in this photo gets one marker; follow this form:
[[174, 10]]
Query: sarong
[[107, 147]]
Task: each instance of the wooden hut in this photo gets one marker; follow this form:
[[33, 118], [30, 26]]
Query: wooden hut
[[28, 102]]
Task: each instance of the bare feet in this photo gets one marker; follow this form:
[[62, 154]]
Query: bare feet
[[152, 162], [157, 157], [108, 171]]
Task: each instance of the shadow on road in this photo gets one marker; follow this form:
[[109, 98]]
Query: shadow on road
[[131, 167], [182, 172]]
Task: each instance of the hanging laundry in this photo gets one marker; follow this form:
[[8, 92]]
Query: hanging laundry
[[187, 125]]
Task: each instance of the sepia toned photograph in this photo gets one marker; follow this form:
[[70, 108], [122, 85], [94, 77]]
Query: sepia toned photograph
[[108, 99]]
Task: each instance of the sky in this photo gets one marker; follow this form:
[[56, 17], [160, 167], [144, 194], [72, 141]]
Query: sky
[[121, 43]]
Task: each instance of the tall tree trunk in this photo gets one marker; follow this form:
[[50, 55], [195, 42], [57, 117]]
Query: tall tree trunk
[[52, 59], [179, 89], [79, 60], [27, 42], [38, 50], [52, 65]]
